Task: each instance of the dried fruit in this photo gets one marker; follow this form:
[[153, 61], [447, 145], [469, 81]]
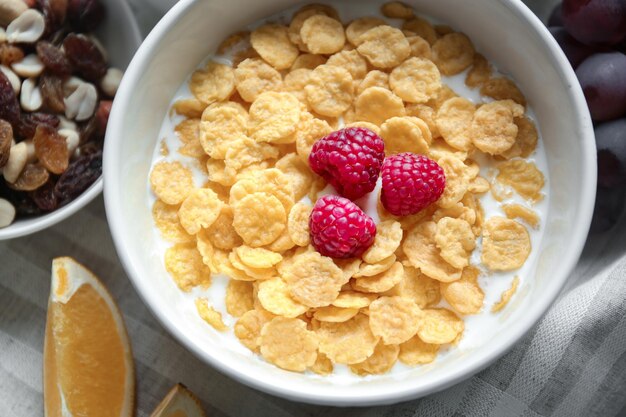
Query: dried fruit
[[53, 59], [9, 107], [85, 15], [85, 56], [51, 149], [78, 176], [51, 88], [29, 122], [6, 139], [32, 177], [45, 198]]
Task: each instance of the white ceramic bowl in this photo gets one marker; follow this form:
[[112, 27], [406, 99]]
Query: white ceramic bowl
[[121, 37], [505, 31]]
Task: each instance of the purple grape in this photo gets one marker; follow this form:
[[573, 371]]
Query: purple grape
[[595, 22], [611, 144], [603, 79], [608, 208], [556, 17], [575, 51]]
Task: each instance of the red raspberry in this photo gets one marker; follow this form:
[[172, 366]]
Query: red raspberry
[[410, 183], [339, 228], [350, 160]]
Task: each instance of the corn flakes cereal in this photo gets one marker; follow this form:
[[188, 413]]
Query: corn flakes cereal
[[299, 174], [274, 297], [335, 314], [502, 89], [282, 244], [464, 295], [310, 130], [517, 211], [209, 315], [219, 126], [298, 224], [330, 90], [189, 134], [420, 48], [353, 300], [453, 53], [384, 46], [348, 342], [457, 180], [232, 40], [166, 219], [374, 78], [415, 286], [259, 218], [274, 117], [288, 344], [273, 45], [351, 61], [314, 280], [526, 140], [387, 240], [479, 73], [478, 185], [493, 129], [322, 34], [254, 76], [215, 82], [349, 267], [439, 326], [427, 114], [302, 15], [416, 80], [506, 296], [421, 250], [523, 177], [506, 244], [258, 257], [359, 26], [376, 104], [199, 210], [271, 181], [381, 282], [244, 152], [455, 239], [308, 61], [323, 365], [394, 319], [454, 119], [369, 270], [366, 125], [422, 28], [239, 298], [189, 107], [171, 182], [252, 272], [381, 361], [248, 328], [416, 352], [295, 81], [405, 134], [397, 10], [218, 173], [184, 263]]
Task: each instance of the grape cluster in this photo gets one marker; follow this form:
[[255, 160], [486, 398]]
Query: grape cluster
[[592, 34]]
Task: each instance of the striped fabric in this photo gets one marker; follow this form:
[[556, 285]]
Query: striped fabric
[[573, 363]]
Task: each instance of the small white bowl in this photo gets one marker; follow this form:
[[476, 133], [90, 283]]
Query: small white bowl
[[121, 37], [506, 31]]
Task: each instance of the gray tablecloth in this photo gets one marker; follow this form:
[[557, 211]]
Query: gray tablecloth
[[573, 363]]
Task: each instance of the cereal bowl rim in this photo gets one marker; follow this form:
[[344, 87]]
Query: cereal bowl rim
[[40, 222], [479, 359]]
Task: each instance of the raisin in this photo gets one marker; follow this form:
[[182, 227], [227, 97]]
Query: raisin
[[10, 54], [29, 122], [44, 197], [85, 56], [51, 149], [53, 59], [52, 92], [32, 177], [85, 15], [51, 18], [6, 136], [9, 107], [78, 177], [90, 131]]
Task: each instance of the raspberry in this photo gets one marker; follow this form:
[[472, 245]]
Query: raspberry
[[410, 183], [339, 228], [350, 160]]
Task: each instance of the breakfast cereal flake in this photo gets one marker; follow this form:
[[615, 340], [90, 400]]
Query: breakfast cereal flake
[[369, 270], [421, 250], [416, 80], [215, 82], [502, 89], [188, 131], [518, 211], [310, 130], [298, 223], [377, 104], [189, 107], [526, 140], [418, 287], [439, 326], [421, 27], [351, 61], [248, 328], [506, 296], [380, 362], [493, 128], [479, 73], [465, 295], [420, 48], [454, 119], [259, 218], [455, 239], [453, 53], [274, 117], [334, 314], [374, 78], [405, 134], [308, 61], [239, 297], [506, 244], [397, 10], [210, 315], [258, 257], [348, 342], [199, 210], [322, 34], [274, 297], [358, 27], [394, 319], [330, 90], [417, 352], [219, 126], [166, 219], [254, 273], [323, 365], [273, 45], [387, 240], [298, 173], [254, 76], [184, 263], [380, 282], [288, 344], [384, 46], [271, 181], [302, 15], [171, 182], [457, 180], [353, 300], [523, 176]]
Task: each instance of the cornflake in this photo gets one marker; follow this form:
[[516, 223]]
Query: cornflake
[[166, 219], [377, 104], [313, 279], [381, 361], [322, 34], [330, 90], [323, 365], [506, 244], [184, 263], [348, 342], [298, 224], [439, 326], [310, 130], [273, 45], [517, 211], [259, 218], [502, 89], [493, 128], [416, 80], [523, 177], [374, 78], [417, 352], [209, 315], [384, 46], [335, 314], [453, 53], [506, 296], [302, 15], [526, 140], [215, 82], [199, 210], [171, 182], [308, 61], [420, 288], [420, 48], [479, 73], [394, 319], [248, 328], [254, 76], [219, 126], [239, 297], [457, 180], [422, 28], [455, 239], [381, 282], [274, 117], [464, 295], [288, 344], [274, 297], [454, 119], [258, 257], [387, 240], [353, 300], [188, 131], [369, 270], [358, 27], [421, 250], [351, 61], [397, 10]]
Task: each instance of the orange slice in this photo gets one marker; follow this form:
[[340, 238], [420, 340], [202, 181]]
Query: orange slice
[[88, 364], [179, 402]]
